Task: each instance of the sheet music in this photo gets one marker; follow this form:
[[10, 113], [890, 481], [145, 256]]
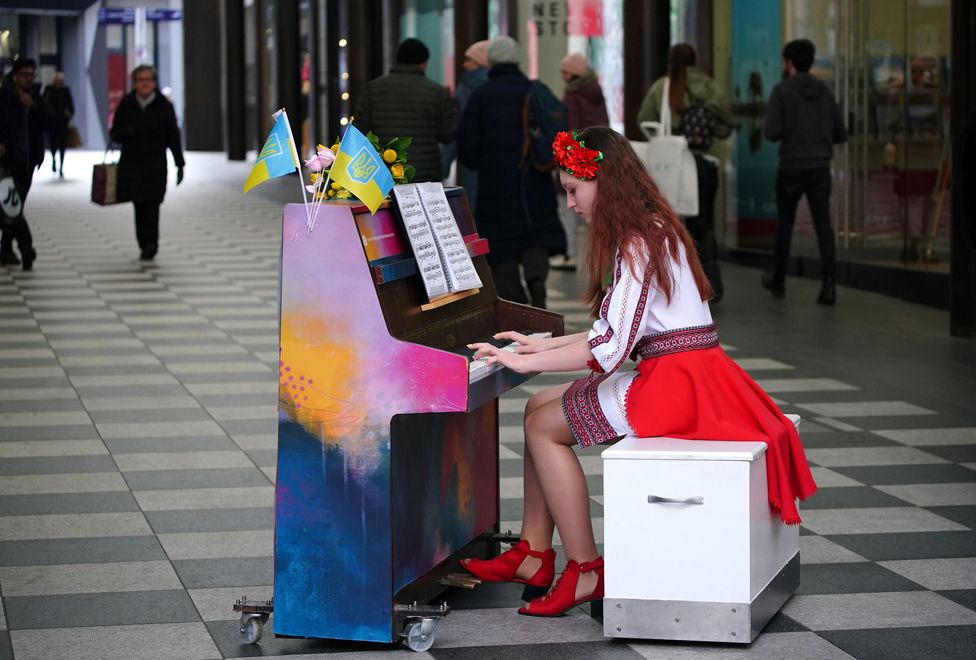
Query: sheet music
[[422, 240], [461, 274]]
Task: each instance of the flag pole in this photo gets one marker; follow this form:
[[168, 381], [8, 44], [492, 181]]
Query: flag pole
[[294, 155], [317, 204]]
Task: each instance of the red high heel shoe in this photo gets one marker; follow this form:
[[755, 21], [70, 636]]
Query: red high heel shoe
[[563, 596], [503, 568]]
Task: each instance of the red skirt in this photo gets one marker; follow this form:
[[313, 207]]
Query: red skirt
[[703, 395]]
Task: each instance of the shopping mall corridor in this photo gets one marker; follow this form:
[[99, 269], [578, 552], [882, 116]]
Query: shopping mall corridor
[[138, 446]]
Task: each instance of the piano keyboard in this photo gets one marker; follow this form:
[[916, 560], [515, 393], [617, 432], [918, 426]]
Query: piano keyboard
[[478, 369]]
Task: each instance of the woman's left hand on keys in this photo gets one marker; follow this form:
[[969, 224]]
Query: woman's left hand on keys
[[509, 359]]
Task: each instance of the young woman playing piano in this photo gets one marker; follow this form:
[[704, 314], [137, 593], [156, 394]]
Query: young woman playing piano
[[647, 292]]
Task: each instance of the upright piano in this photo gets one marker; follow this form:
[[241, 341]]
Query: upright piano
[[387, 441]]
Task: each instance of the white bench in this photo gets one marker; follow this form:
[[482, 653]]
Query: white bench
[[692, 549]]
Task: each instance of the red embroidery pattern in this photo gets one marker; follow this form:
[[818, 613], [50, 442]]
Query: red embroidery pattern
[[581, 406], [638, 316], [605, 310], [676, 341]]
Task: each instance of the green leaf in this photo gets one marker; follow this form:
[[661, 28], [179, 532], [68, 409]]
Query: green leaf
[[408, 172], [399, 145]]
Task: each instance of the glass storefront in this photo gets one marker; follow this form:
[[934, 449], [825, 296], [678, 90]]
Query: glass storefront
[[887, 62]]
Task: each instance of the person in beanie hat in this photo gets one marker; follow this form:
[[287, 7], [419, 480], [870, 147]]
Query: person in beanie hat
[[516, 208], [405, 103]]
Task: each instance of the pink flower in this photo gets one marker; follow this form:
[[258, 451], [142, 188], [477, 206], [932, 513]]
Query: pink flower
[[326, 156]]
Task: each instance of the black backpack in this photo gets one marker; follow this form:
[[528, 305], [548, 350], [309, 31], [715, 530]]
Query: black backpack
[[543, 115], [700, 124]]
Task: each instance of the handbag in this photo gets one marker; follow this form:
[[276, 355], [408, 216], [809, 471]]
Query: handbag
[[11, 206], [670, 162], [105, 182]]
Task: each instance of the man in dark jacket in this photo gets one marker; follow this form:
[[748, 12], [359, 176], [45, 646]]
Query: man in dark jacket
[[405, 103], [804, 118], [516, 202], [57, 96], [23, 118], [145, 125]]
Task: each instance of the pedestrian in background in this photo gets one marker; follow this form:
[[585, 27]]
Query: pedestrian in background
[[405, 103], [583, 98], [585, 107], [701, 111], [475, 75], [58, 98], [145, 126], [23, 119], [804, 118], [516, 201]]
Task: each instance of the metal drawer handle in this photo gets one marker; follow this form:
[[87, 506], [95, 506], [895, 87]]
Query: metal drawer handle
[[657, 499]]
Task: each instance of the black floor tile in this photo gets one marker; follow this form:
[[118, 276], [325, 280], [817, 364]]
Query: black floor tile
[[850, 497], [99, 609], [6, 651], [80, 551], [944, 642], [909, 545], [254, 426], [205, 478], [143, 445], [78, 432], [782, 623], [834, 439], [965, 597], [211, 520], [33, 505], [484, 596], [58, 465], [853, 578], [955, 453], [607, 650], [964, 515], [512, 509], [227, 637], [233, 572], [932, 473]]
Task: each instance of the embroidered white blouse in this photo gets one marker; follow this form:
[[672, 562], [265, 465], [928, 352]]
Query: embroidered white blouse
[[633, 308]]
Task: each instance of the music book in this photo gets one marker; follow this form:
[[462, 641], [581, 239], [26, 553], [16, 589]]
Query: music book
[[442, 256]]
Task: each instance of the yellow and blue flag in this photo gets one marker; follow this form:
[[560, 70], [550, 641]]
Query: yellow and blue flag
[[359, 169], [278, 157]]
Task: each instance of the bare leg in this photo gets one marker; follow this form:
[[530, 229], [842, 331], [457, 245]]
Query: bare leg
[[549, 440], [537, 523]]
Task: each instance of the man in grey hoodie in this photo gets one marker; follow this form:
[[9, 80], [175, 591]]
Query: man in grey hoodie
[[804, 118]]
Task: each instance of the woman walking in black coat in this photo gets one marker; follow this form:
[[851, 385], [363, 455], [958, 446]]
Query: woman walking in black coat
[[145, 126], [516, 209]]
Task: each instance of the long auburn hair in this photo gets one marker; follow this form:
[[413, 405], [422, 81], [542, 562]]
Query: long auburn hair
[[680, 57], [630, 212]]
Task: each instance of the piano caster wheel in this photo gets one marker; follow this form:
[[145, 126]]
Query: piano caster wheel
[[419, 634], [252, 627]]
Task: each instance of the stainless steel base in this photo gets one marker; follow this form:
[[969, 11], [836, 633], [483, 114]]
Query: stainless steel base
[[695, 621]]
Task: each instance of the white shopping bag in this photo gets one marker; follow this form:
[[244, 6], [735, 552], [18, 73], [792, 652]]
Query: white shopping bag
[[670, 162]]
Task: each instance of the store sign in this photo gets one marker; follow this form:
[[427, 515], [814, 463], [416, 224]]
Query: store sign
[[127, 15]]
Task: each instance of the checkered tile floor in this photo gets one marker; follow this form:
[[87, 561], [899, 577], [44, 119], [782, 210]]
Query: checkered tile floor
[[137, 450]]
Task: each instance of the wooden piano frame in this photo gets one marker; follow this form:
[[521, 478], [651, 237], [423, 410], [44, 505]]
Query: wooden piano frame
[[387, 455]]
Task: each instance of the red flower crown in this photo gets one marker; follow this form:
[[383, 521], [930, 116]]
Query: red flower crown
[[573, 156]]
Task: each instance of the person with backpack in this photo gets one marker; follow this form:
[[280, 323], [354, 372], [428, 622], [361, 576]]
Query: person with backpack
[[502, 136], [700, 111]]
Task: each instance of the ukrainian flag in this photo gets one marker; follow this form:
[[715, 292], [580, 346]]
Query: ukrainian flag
[[359, 169], [278, 157]]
